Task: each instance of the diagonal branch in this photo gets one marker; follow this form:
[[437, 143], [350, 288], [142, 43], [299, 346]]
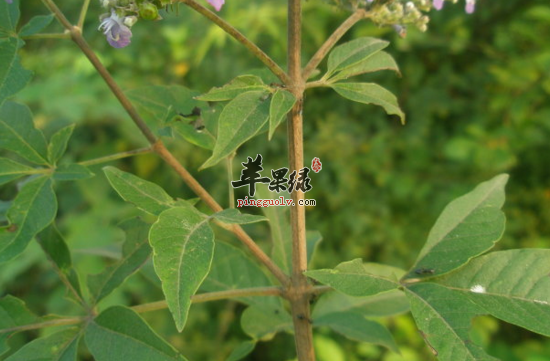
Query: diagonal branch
[[332, 40], [158, 145], [237, 35]]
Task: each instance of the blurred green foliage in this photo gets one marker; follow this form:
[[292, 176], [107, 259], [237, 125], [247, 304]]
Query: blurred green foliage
[[475, 92]]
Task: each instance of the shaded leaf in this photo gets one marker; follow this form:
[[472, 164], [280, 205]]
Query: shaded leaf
[[120, 334], [262, 322], [233, 269], [237, 86], [376, 62], [241, 351], [511, 285], [72, 172], [183, 245], [281, 103], [356, 327], [17, 131], [13, 313], [370, 93], [233, 216], [357, 279], [380, 305], [32, 210], [58, 143], [444, 318], [11, 170], [239, 121], [467, 227], [60, 346], [36, 25], [135, 252], [353, 52], [145, 195]]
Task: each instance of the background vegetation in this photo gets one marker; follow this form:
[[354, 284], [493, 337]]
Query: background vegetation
[[475, 92]]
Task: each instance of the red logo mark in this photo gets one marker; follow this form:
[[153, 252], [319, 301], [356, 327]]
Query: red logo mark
[[316, 165]]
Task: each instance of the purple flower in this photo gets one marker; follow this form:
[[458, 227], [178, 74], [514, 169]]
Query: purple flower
[[470, 6], [217, 4], [118, 34], [438, 4]]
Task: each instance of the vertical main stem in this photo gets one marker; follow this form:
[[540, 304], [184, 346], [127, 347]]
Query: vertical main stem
[[299, 290]]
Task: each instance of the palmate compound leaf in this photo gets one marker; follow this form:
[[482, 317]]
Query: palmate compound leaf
[[376, 62], [233, 216], [355, 278], [120, 334], [145, 195], [263, 321], [239, 121], [71, 172], [13, 77], [58, 143], [511, 285], [33, 209], [467, 227], [281, 103], [242, 350], [135, 252], [60, 346], [36, 25], [237, 86], [18, 134], [11, 170], [183, 248], [444, 318], [370, 93], [13, 313], [356, 327], [353, 52]]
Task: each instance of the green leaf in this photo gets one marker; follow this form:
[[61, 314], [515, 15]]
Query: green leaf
[[241, 351], [135, 252], [18, 134], [233, 216], [381, 305], [72, 172], [376, 62], [355, 278], [262, 322], [13, 77], [157, 104], [32, 210], [60, 346], [57, 251], [237, 86], [58, 143], [9, 17], [36, 25], [145, 195], [370, 93], [233, 269], [11, 170], [239, 121], [356, 327], [183, 245], [467, 227], [353, 52], [313, 239], [281, 103], [120, 334], [13, 313], [511, 285], [193, 136], [444, 318]]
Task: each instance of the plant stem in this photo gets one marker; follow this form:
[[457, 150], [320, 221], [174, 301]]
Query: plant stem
[[112, 157], [53, 323], [83, 12], [332, 40], [158, 145], [299, 291], [237, 35]]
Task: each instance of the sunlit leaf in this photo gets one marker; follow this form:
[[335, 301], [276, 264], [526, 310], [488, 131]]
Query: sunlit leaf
[[237, 86], [467, 227], [376, 62], [233, 216], [353, 52], [183, 245]]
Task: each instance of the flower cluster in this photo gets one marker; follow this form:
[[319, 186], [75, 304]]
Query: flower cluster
[[123, 14]]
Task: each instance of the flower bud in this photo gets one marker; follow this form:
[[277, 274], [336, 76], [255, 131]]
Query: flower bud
[[129, 21], [148, 11]]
